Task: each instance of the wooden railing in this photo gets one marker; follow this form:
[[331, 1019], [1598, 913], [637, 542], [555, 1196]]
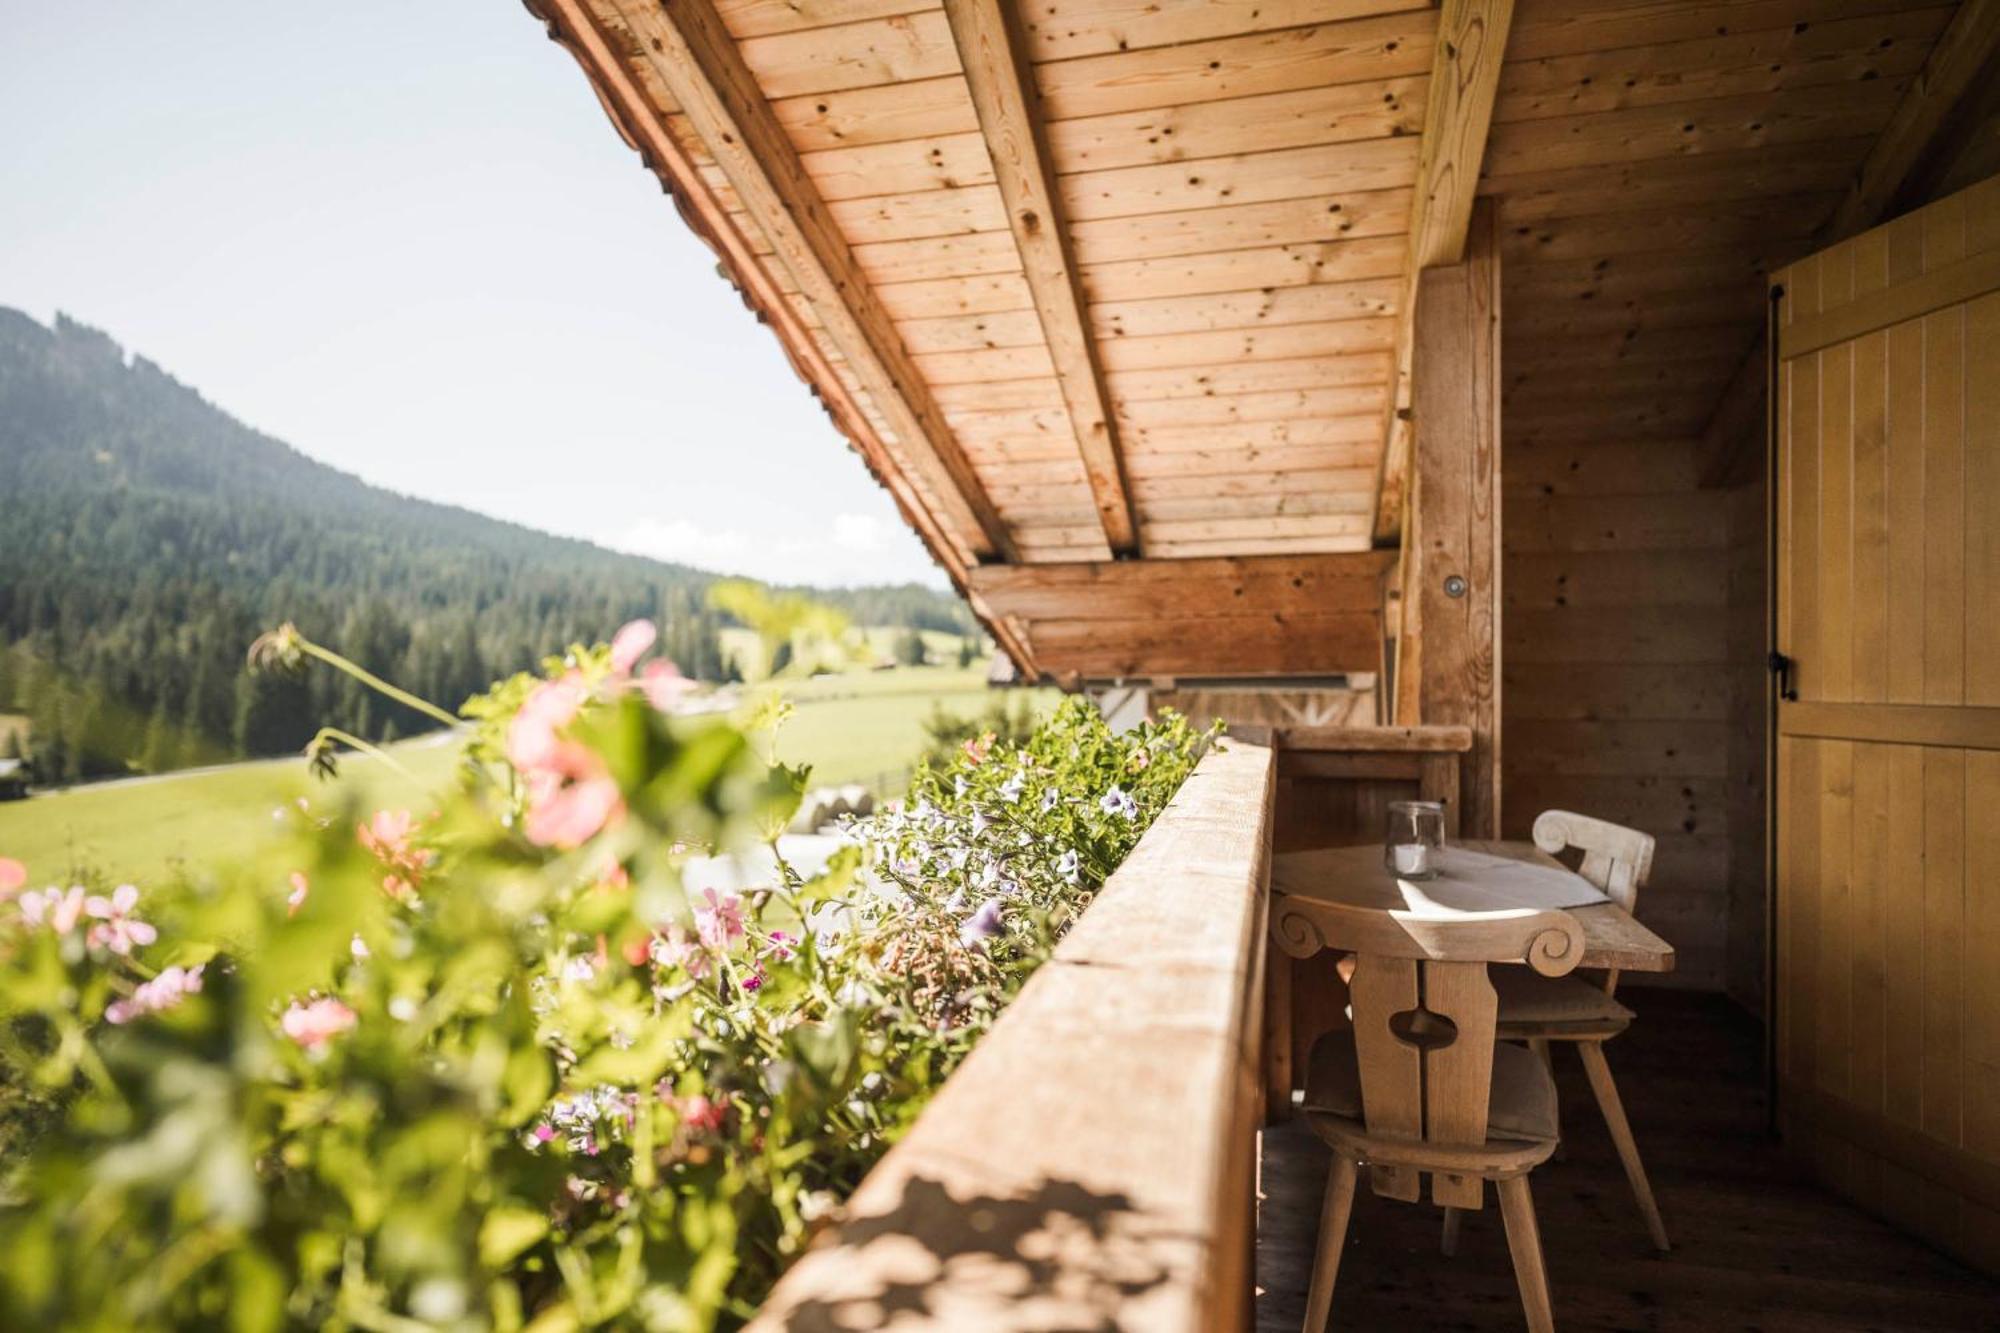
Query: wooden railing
[[1093, 1159]]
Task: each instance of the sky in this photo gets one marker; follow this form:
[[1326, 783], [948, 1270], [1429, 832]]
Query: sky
[[402, 236]]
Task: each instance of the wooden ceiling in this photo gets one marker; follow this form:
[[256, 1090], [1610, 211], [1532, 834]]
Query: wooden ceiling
[[1087, 280]]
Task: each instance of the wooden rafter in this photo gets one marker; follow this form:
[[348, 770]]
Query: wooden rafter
[[637, 121], [994, 52], [696, 58], [1922, 117], [1465, 75]]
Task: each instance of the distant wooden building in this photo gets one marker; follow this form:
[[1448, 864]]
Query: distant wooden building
[[13, 780]]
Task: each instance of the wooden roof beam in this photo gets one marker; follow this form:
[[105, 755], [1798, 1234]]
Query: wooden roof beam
[[695, 57], [1465, 76], [1923, 117], [1253, 616], [993, 50]]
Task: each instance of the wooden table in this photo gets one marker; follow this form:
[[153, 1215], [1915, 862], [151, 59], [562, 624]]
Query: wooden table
[[1612, 938]]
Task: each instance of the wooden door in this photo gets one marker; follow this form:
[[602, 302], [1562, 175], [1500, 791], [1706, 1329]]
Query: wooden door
[[1887, 808]]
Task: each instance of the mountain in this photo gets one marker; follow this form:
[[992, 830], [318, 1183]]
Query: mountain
[[146, 537]]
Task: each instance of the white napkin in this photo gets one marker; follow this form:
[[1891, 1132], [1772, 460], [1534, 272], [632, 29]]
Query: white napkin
[[1467, 881]]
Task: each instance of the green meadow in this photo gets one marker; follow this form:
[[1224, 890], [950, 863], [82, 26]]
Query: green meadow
[[865, 727]]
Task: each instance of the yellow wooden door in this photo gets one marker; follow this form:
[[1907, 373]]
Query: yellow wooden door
[[1887, 990]]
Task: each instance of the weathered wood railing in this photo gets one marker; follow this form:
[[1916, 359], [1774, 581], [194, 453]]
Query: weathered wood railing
[[1094, 1157]]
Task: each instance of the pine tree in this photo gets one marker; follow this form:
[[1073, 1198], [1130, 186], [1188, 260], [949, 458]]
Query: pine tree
[[160, 752]]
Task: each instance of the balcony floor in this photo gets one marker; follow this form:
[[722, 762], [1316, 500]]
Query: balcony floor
[[1756, 1248]]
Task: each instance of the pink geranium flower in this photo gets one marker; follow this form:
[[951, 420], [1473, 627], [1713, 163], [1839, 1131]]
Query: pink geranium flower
[[720, 923], [116, 928], [630, 643], [12, 876], [163, 992], [664, 685], [571, 798], [532, 736], [312, 1025], [675, 949], [53, 908], [387, 835], [700, 1115]]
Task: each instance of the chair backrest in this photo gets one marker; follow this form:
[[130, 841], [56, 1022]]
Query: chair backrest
[[1424, 1014], [1616, 859]]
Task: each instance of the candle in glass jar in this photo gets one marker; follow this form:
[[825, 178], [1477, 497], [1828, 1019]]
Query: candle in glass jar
[[1413, 839]]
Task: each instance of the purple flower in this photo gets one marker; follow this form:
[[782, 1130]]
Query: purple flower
[[982, 925], [1119, 802]]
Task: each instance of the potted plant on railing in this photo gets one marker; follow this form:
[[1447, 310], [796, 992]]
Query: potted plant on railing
[[510, 1062]]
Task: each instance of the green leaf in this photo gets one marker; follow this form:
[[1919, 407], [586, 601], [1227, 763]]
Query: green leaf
[[257, 1292], [507, 1231]]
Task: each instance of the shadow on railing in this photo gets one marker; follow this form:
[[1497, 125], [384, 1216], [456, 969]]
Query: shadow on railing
[[1059, 1256]]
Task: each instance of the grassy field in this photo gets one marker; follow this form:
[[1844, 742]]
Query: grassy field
[[865, 727]]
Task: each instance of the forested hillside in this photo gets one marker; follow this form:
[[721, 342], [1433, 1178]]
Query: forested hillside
[[146, 537]]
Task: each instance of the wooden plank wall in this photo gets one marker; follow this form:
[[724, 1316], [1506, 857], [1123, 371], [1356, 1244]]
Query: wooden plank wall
[[1747, 792], [1616, 681], [1888, 994]]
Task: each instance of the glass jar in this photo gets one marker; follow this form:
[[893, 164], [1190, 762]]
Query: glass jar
[[1413, 839]]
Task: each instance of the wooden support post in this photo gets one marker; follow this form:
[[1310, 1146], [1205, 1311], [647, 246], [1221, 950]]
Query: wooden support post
[[1448, 672], [1465, 77]]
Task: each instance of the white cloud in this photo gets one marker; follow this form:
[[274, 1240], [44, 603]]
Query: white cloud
[[842, 549], [859, 532], [684, 541]]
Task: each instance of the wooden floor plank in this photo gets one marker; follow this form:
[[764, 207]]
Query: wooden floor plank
[[1756, 1245]]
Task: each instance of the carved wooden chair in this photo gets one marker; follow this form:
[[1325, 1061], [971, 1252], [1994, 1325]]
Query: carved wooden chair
[[1584, 1010], [1419, 1085]]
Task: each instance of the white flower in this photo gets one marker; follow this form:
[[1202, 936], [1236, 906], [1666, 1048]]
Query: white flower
[[1070, 865], [52, 907], [1012, 788], [1048, 800], [1119, 802]]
